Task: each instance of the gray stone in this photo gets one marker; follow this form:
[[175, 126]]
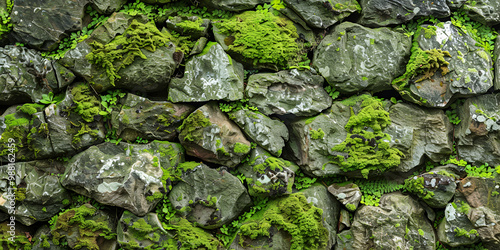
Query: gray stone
[[212, 75], [43, 240], [209, 197], [39, 195], [497, 68], [344, 240], [146, 231], [42, 24], [117, 175], [469, 69], [377, 13], [208, 134], [437, 188], [346, 193], [399, 221], [320, 14], [288, 92], [107, 6], [477, 141], [151, 120], [268, 133], [25, 76], [483, 11], [231, 5], [455, 218], [350, 58]]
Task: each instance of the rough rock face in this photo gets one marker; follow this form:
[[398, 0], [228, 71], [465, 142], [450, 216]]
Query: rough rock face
[[478, 131], [484, 213], [399, 221], [208, 196], [436, 189], [43, 241], [208, 134], [484, 11], [231, 5], [376, 13], [39, 194], [25, 76], [107, 6], [320, 14], [466, 71], [268, 133], [41, 24], [288, 92], [350, 58], [116, 175], [346, 193], [212, 75], [146, 231], [151, 120]]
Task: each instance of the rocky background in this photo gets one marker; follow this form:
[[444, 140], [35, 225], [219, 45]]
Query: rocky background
[[249, 124]]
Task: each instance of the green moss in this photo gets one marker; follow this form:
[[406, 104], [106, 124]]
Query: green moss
[[223, 151], [20, 194], [317, 134], [429, 31], [84, 129], [192, 237], [124, 48], [262, 37], [191, 126], [241, 148], [45, 243], [366, 150], [171, 174], [20, 241], [351, 207], [154, 197], [416, 185], [292, 214], [271, 163], [421, 232], [191, 26], [459, 232], [162, 120], [309, 120], [31, 108], [207, 48], [87, 105]]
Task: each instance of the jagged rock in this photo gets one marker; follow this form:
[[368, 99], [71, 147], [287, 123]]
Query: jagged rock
[[209, 197], [484, 214], [344, 220], [350, 57], [25, 76], [43, 240], [268, 133], [208, 134], [478, 130], [231, 5], [376, 13], [456, 220], [344, 240], [118, 175], [319, 196], [290, 222], [107, 6], [346, 193], [211, 75], [151, 120], [483, 11], [466, 70], [288, 92], [320, 14], [85, 226], [268, 176], [435, 189], [399, 221], [38, 194], [42, 24], [192, 26], [145, 231]]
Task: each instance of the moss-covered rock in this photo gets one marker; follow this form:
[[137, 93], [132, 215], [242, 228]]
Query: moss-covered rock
[[321, 14], [12, 237], [436, 189], [142, 232]]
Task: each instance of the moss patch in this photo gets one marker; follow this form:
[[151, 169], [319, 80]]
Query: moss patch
[[87, 105], [416, 185], [193, 237], [191, 126]]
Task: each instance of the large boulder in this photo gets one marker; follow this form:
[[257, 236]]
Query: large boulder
[[478, 132], [399, 222], [211, 75], [456, 68], [144, 231], [288, 92], [349, 58], [208, 134], [107, 6], [483, 11], [376, 13], [319, 14], [207, 196], [42, 24], [25, 76], [435, 189], [118, 175]]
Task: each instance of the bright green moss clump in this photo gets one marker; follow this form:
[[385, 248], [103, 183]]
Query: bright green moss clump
[[193, 237], [191, 126], [31, 108], [262, 37], [416, 185], [87, 104], [293, 214], [241, 148], [20, 241], [122, 51], [367, 147], [5, 24], [317, 134]]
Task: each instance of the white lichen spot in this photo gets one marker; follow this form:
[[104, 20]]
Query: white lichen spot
[[450, 212], [468, 184]]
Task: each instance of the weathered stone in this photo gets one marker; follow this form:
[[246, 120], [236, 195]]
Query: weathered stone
[[347, 193], [208, 134], [266, 132], [25, 76], [192, 26], [38, 193], [209, 197], [350, 58], [145, 231], [483, 11], [478, 132], [399, 221], [268, 176], [320, 14], [288, 92], [211, 75], [42, 24], [231, 5], [151, 120], [107, 6], [118, 175], [344, 240], [435, 189], [377, 13], [466, 72], [43, 240], [344, 220]]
